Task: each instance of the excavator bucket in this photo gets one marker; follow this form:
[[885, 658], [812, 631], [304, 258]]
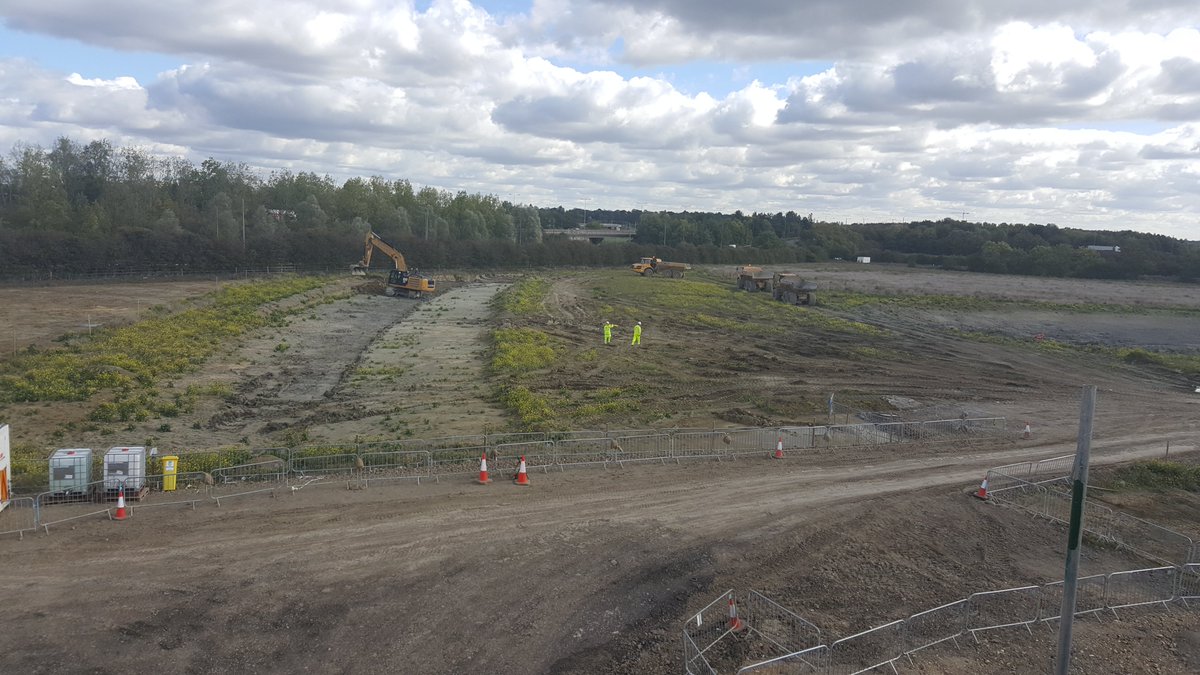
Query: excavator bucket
[[358, 270]]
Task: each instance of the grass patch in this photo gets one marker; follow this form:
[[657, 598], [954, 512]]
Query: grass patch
[[1187, 364], [1156, 474], [534, 412], [135, 356], [524, 297], [520, 350]]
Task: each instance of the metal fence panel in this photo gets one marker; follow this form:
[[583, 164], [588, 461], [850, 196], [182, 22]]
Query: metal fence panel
[[454, 461], [1152, 541], [867, 650], [515, 437], [699, 444], [582, 452], [747, 441], [1089, 597], [811, 660], [703, 630], [507, 457], [1055, 468], [652, 448], [343, 463], [19, 517], [853, 435], [396, 465], [1188, 589], [694, 662], [269, 470], [1140, 587], [798, 438], [990, 610], [934, 626], [784, 630]]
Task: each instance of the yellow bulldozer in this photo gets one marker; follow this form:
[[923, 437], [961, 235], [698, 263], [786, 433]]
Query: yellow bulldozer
[[401, 281]]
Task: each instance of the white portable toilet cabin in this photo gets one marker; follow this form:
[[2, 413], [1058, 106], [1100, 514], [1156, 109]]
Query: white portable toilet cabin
[[70, 471], [5, 468], [125, 465]]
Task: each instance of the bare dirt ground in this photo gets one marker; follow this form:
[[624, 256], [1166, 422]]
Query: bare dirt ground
[[592, 570], [900, 279], [36, 314], [587, 571]]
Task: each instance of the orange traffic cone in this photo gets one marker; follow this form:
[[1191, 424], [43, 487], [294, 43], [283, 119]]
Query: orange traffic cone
[[779, 448], [120, 515], [522, 475], [483, 476], [1028, 431], [735, 623], [982, 492]]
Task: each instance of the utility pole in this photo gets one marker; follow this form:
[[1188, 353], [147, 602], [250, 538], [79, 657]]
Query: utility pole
[[1079, 478], [243, 224]]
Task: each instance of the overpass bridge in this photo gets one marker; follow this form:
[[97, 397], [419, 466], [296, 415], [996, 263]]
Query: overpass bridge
[[594, 236]]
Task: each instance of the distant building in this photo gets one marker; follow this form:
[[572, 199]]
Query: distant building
[[1104, 249], [281, 215], [863, 259]]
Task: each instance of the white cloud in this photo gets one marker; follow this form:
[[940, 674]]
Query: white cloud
[[1008, 110], [123, 82]]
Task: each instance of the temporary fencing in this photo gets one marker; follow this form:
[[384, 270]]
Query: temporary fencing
[[19, 517], [811, 660], [702, 632], [1041, 488], [880, 647], [1012, 607], [1089, 597], [868, 650], [935, 626], [1189, 583], [240, 471], [644, 448], [395, 465], [1158, 585], [781, 629], [791, 643]]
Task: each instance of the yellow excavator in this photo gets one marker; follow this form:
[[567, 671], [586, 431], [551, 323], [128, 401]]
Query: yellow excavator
[[401, 280]]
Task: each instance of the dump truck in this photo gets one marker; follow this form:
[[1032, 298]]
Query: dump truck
[[792, 289], [402, 282], [752, 278], [648, 266]]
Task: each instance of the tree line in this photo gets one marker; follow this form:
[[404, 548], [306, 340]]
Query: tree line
[[76, 207]]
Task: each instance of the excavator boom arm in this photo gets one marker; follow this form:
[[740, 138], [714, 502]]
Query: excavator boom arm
[[374, 241]]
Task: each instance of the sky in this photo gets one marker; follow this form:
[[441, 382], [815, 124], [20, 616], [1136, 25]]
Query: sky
[[1082, 113]]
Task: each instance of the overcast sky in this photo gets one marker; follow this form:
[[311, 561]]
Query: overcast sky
[[1083, 113]]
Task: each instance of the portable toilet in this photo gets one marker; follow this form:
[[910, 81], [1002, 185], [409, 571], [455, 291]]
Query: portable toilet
[[5, 471], [125, 465], [70, 470]]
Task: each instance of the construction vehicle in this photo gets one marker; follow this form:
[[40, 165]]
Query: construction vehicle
[[401, 280], [792, 289], [652, 265], [752, 278]]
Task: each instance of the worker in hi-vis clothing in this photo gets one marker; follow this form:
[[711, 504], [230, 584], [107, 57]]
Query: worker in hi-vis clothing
[[637, 334], [608, 326]]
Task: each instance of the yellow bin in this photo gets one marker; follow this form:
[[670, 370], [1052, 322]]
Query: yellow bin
[[170, 465]]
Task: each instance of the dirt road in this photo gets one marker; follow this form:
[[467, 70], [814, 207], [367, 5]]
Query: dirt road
[[586, 571]]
